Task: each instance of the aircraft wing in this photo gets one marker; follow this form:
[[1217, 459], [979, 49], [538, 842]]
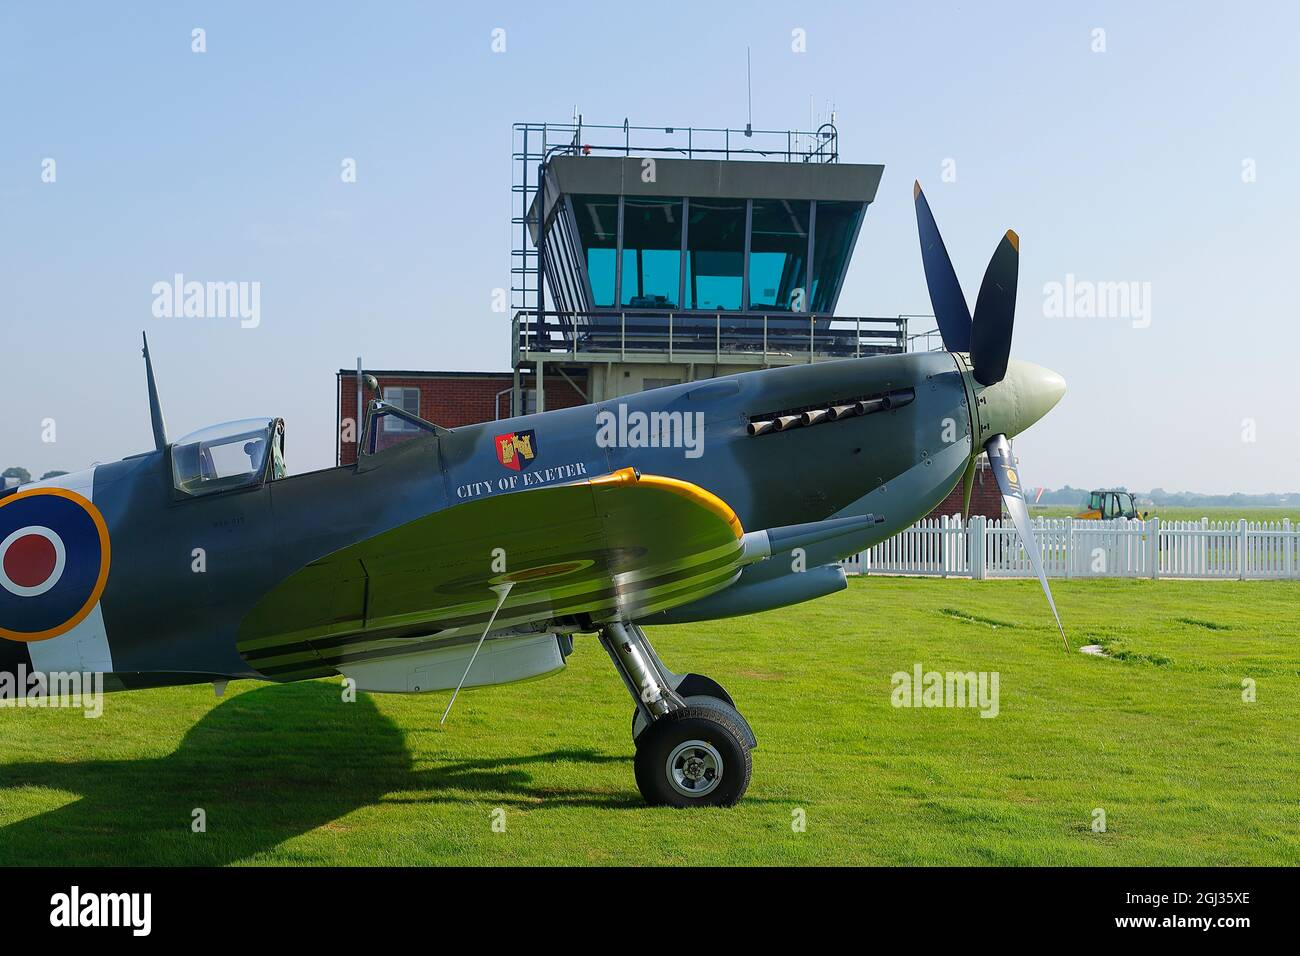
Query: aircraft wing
[[620, 545]]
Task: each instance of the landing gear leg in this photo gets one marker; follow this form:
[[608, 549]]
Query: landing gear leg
[[692, 750], [692, 689], [637, 664]]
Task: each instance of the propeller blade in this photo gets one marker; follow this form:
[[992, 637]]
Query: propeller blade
[[967, 486], [999, 452], [950, 309], [995, 313]]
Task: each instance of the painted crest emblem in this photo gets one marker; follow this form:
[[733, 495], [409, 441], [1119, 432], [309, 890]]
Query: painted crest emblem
[[54, 558], [516, 449]]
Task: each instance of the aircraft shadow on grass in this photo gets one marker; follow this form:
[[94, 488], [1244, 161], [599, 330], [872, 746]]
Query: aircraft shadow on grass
[[265, 766]]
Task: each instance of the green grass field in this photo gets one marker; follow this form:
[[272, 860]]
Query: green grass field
[[1171, 513], [1157, 736]]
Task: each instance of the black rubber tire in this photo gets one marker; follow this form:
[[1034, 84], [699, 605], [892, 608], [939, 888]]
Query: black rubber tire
[[697, 685], [712, 726], [714, 703]]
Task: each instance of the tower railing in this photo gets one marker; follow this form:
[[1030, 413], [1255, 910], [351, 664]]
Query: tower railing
[[731, 337], [689, 142]]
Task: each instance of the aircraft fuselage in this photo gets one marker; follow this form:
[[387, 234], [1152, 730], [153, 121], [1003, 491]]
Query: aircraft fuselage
[[185, 572]]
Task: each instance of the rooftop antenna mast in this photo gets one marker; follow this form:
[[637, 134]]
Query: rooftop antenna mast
[[749, 95]]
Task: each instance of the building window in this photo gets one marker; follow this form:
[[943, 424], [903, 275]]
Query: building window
[[715, 254], [837, 223], [649, 383], [778, 252], [652, 252], [408, 400], [597, 219]]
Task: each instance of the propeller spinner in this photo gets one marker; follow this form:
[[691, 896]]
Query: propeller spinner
[[1014, 394]]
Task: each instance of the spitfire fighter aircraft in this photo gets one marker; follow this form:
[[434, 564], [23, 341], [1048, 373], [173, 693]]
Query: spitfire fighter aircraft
[[472, 556]]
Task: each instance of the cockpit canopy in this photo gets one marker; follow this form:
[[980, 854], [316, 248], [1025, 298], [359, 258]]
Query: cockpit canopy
[[233, 455]]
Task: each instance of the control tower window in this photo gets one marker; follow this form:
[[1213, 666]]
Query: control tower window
[[778, 253], [597, 219], [715, 254], [652, 252], [837, 225]]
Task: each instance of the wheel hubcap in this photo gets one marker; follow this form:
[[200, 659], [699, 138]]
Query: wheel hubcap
[[694, 768]]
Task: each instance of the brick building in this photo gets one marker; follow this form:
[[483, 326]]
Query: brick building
[[985, 498], [446, 398]]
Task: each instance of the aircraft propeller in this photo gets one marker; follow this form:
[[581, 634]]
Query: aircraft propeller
[[999, 452], [986, 336]]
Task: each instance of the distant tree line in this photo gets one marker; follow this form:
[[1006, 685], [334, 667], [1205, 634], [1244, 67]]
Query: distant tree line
[[1236, 499], [20, 476], [1189, 499]]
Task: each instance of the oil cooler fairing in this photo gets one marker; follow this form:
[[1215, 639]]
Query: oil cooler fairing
[[501, 661], [752, 596]]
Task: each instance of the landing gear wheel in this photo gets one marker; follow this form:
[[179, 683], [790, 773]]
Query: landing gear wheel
[[693, 757], [639, 723]]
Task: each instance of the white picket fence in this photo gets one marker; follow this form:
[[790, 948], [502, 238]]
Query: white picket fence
[[1075, 548]]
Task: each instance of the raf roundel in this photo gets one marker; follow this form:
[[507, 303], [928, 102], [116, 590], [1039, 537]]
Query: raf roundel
[[54, 557]]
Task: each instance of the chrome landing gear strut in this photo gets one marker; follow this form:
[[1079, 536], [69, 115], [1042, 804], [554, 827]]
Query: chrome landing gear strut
[[644, 676]]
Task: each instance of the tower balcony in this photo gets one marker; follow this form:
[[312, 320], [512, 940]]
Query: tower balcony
[[745, 339]]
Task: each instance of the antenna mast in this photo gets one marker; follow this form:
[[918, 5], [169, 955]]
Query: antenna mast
[[749, 95], [155, 407]]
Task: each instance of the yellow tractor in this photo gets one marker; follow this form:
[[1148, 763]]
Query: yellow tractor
[[1109, 503]]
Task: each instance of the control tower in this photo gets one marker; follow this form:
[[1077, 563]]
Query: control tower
[[647, 256]]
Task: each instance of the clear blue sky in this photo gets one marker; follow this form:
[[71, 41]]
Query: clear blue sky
[[1117, 166]]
